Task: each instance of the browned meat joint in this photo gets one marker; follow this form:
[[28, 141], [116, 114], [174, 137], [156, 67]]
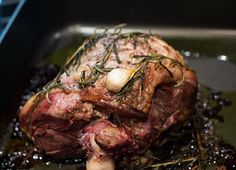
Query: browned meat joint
[[118, 92]]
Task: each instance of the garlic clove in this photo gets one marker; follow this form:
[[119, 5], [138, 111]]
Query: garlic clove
[[117, 79]]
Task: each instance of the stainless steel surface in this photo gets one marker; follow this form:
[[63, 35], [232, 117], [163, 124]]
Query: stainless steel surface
[[162, 31]]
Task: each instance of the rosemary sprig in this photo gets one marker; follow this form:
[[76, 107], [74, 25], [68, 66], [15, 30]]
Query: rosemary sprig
[[140, 71], [96, 71], [88, 78], [116, 52], [48, 88], [134, 37], [99, 68], [118, 28], [74, 60], [202, 151], [173, 63], [172, 162]]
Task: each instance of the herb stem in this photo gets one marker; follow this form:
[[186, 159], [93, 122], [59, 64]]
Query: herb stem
[[172, 162], [198, 138]]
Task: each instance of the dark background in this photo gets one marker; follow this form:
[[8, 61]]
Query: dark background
[[200, 13], [39, 18]]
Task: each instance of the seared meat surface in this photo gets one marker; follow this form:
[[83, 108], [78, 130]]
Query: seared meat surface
[[80, 110]]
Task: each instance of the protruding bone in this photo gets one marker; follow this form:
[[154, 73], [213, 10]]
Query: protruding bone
[[99, 163]]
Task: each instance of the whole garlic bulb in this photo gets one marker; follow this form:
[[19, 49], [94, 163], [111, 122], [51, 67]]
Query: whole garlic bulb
[[117, 79]]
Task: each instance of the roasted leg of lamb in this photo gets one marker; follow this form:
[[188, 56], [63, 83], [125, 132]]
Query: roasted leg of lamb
[[114, 96]]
